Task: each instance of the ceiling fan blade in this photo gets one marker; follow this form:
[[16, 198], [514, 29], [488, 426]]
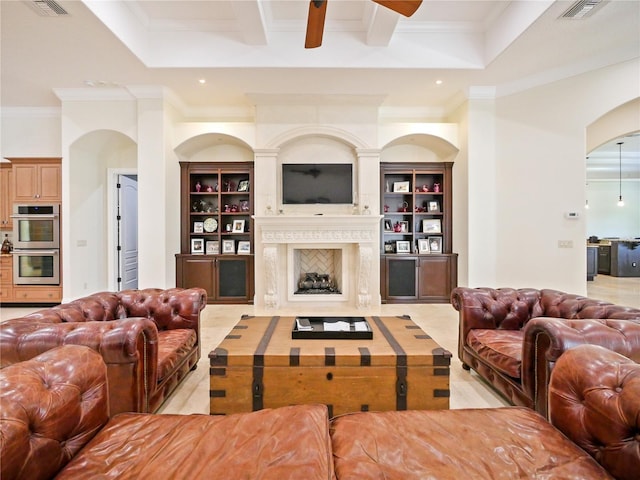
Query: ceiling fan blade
[[403, 7], [315, 23]]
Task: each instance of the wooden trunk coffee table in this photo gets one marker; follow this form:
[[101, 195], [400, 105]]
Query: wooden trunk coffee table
[[258, 365]]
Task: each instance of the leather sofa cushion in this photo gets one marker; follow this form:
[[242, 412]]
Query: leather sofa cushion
[[290, 442], [173, 346], [500, 348], [511, 442]]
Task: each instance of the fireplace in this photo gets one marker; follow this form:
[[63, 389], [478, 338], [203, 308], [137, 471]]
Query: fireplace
[[317, 271], [342, 247]]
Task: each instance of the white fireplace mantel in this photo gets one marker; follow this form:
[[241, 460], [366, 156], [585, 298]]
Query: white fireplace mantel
[[274, 233], [314, 228]]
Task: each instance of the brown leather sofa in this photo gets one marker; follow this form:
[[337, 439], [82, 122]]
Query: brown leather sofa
[[594, 405], [149, 339], [54, 422], [513, 337]]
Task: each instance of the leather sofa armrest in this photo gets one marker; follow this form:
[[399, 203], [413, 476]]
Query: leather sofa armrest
[[51, 405], [129, 347], [594, 399], [169, 309], [546, 339]]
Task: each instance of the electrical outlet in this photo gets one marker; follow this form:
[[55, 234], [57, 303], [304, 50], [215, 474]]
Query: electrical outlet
[[565, 243]]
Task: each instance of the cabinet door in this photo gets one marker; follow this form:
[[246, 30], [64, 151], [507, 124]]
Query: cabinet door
[[6, 196], [234, 278], [25, 183], [401, 278], [196, 271], [49, 183], [37, 183], [437, 277]]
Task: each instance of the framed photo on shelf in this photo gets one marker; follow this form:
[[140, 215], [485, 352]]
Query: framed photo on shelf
[[244, 247], [198, 227], [197, 246], [423, 245], [228, 246], [403, 246], [238, 226], [435, 244], [404, 227], [213, 247], [401, 187], [431, 225], [434, 206], [388, 247], [243, 186], [388, 227]]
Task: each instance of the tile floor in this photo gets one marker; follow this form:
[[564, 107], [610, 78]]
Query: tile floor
[[439, 320]]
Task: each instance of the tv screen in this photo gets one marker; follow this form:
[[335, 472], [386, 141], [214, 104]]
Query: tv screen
[[311, 183]]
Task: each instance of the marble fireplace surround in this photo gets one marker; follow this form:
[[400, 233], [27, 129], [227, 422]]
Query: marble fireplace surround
[[279, 235]]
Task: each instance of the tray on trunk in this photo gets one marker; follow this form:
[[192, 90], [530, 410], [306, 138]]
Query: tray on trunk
[[341, 328]]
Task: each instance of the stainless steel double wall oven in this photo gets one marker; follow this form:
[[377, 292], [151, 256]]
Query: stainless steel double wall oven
[[36, 241]]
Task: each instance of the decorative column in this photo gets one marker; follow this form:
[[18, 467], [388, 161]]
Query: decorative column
[[270, 259], [365, 260]]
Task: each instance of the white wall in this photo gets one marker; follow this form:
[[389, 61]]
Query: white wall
[[540, 150], [604, 218]]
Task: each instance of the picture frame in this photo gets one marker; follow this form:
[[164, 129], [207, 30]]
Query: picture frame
[[198, 227], [238, 226], [244, 247], [197, 246], [423, 245], [431, 225], [228, 246], [433, 206], [435, 244], [401, 187], [403, 246], [388, 226], [389, 247], [243, 186], [404, 227], [212, 247]]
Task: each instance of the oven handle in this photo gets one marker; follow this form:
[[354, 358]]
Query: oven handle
[[34, 252], [45, 216]]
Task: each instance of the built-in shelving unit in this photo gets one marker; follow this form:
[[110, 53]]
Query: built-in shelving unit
[[417, 262], [217, 230]]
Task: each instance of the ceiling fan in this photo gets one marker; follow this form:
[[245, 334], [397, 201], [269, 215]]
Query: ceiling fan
[[318, 10]]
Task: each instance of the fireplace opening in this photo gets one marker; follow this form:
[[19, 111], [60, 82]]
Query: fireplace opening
[[314, 283], [317, 271]]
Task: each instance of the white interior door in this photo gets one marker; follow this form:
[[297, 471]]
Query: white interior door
[[127, 216]]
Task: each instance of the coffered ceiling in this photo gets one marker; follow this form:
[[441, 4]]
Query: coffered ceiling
[[248, 51]]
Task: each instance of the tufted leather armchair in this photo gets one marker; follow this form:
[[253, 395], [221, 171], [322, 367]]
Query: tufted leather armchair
[[149, 339], [513, 337]]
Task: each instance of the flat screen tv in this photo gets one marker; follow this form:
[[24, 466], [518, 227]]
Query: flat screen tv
[[312, 183]]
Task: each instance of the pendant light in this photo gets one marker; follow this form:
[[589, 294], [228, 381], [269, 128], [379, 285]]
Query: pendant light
[[620, 201]]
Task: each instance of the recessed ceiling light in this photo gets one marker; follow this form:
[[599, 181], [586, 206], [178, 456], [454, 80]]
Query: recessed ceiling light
[[202, 81], [438, 82]]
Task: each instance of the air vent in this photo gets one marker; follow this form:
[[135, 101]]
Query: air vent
[[48, 8], [582, 9]]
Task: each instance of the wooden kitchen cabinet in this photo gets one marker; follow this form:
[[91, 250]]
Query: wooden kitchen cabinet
[[37, 294], [6, 196], [6, 279], [36, 180]]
